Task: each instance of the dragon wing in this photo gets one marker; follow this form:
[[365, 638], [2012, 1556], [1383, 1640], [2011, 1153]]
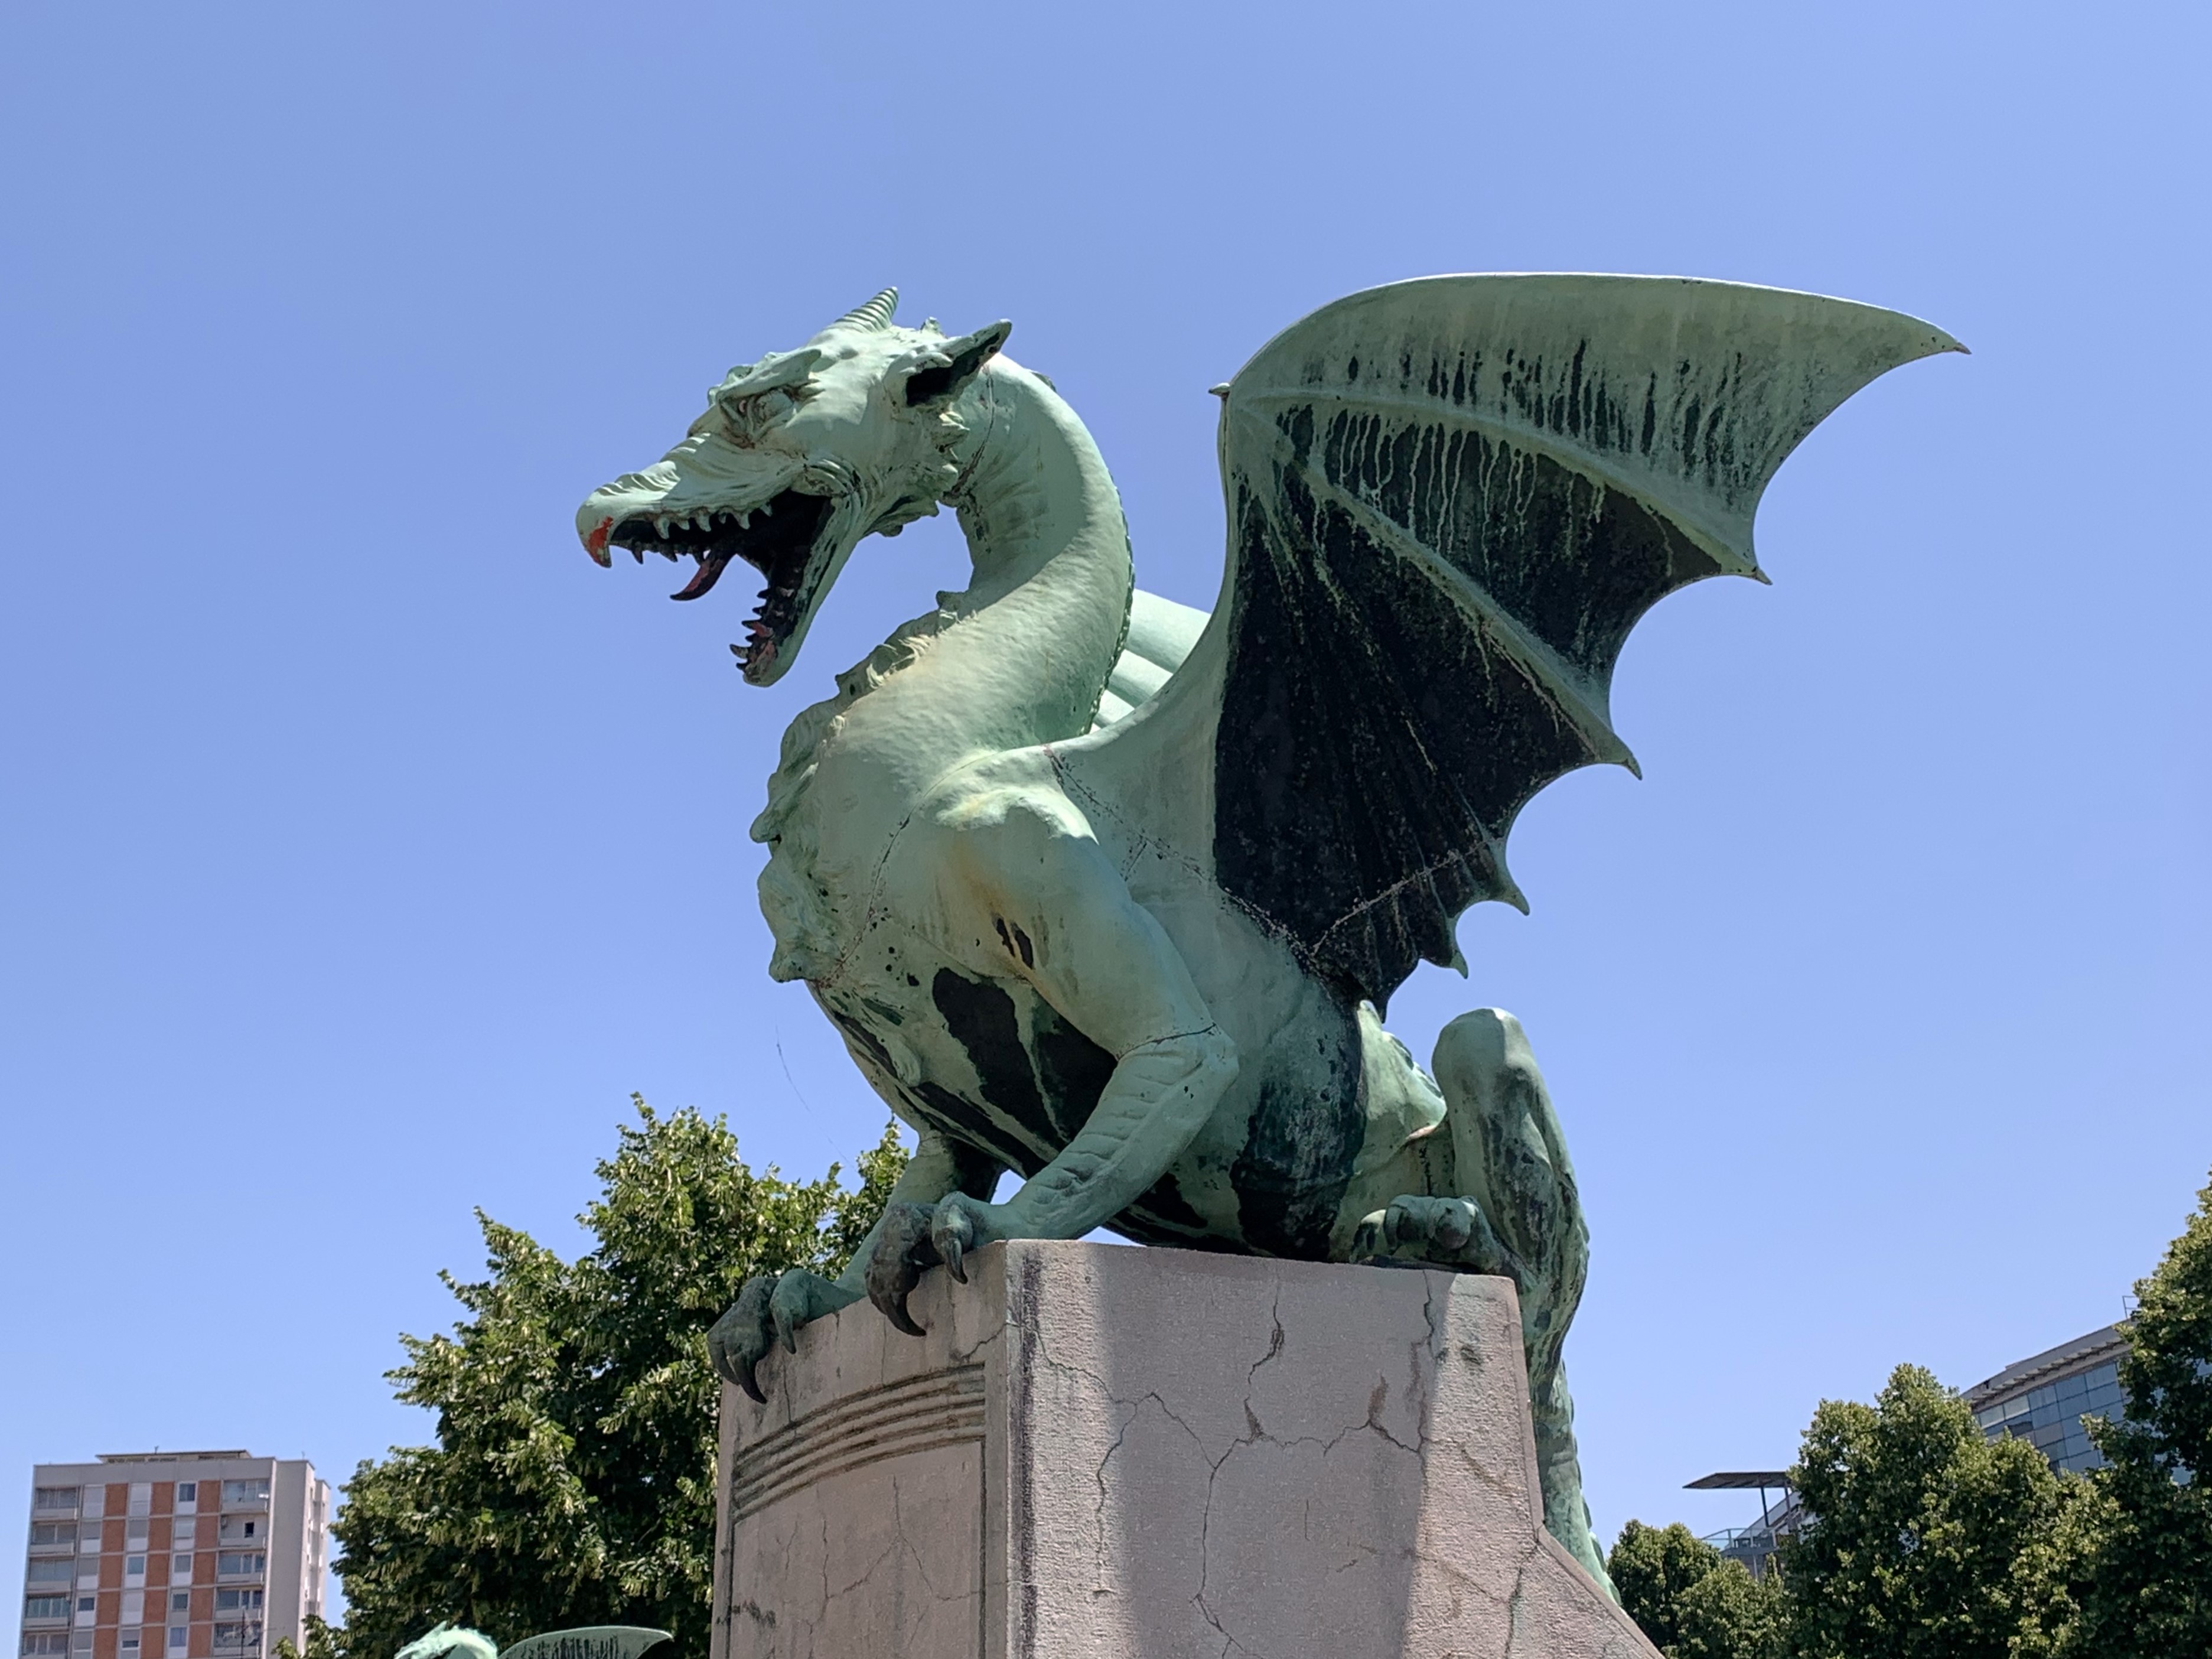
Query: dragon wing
[[1449, 502]]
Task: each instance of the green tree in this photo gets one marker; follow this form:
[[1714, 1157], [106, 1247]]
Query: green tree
[[318, 1643], [573, 1479], [1926, 1540], [1692, 1601], [2144, 1539]]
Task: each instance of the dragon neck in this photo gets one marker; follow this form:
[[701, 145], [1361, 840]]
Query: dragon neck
[[1019, 657], [1035, 633]]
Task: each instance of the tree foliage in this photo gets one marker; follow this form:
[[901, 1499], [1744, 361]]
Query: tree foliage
[[1692, 1601], [2144, 1540], [319, 1640], [1927, 1540], [573, 1479]]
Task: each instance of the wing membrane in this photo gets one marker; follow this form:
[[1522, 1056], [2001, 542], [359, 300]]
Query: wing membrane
[[1449, 502]]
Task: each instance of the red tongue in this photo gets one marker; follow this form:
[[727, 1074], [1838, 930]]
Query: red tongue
[[708, 573]]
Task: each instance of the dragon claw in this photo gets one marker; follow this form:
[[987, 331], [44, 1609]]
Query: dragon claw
[[903, 1248], [1448, 1231], [952, 1234], [770, 1309], [740, 1337]]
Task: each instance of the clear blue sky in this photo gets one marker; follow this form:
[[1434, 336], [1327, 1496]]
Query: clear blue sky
[[364, 846]]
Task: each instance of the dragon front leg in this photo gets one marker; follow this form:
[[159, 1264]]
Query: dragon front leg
[[771, 1307], [1026, 877]]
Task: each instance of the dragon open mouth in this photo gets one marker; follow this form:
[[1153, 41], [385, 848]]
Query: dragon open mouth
[[778, 538]]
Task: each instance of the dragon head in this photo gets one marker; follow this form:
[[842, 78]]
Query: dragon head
[[799, 457]]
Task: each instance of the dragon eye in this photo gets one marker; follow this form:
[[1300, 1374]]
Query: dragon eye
[[744, 420], [760, 410]]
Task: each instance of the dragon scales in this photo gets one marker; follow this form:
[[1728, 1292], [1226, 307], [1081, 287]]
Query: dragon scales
[[1110, 893]]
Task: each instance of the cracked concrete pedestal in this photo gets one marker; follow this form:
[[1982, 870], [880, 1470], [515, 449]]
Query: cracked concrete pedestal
[[1106, 1453]]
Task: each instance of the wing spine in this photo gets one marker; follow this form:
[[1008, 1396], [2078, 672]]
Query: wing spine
[[1713, 543]]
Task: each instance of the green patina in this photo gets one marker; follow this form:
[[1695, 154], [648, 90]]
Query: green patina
[[1111, 892], [585, 1642]]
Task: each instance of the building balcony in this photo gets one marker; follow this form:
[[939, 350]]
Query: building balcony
[[241, 1568]]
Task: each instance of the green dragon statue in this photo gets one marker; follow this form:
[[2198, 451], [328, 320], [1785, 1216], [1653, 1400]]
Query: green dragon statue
[[445, 1641], [1109, 892]]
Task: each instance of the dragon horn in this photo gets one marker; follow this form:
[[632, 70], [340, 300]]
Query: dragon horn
[[876, 314]]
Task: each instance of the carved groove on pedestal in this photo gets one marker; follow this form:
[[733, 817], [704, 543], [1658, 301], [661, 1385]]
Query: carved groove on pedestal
[[944, 1408]]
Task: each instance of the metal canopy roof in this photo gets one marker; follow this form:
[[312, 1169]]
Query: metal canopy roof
[[1739, 1480]]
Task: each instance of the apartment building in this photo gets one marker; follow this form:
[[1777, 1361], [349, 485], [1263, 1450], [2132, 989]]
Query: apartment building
[[172, 1555]]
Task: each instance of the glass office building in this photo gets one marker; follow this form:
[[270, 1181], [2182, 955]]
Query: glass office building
[[2043, 1399]]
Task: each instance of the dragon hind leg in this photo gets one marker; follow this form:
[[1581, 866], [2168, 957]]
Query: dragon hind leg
[[1503, 1200]]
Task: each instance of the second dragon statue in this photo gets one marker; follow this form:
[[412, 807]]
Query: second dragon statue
[[1113, 893]]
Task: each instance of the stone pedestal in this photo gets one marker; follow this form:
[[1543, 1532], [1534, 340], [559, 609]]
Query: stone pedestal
[[1107, 1452]]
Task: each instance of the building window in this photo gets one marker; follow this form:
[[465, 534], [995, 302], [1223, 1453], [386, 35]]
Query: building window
[[243, 1529], [238, 1601], [128, 1643], [188, 1491], [141, 1496], [50, 1533], [52, 1569], [182, 1533], [238, 1638], [178, 1636], [49, 1500], [85, 1604], [240, 1564], [46, 1643], [180, 1568], [180, 1601], [245, 1494], [93, 1501], [46, 1606], [134, 1566], [134, 1607], [81, 1641]]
